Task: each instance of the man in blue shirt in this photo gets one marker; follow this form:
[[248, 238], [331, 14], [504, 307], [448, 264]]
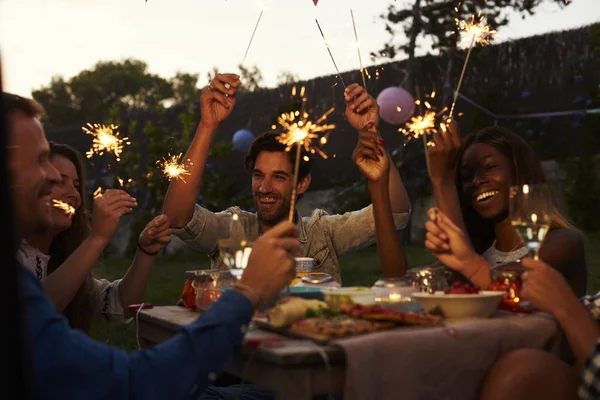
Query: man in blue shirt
[[67, 364]]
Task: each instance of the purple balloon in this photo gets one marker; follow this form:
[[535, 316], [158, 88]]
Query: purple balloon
[[396, 105]]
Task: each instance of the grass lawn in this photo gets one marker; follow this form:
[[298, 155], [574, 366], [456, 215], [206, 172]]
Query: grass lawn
[[360, 268]]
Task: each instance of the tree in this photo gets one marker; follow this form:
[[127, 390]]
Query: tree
[[185, 88], [286, 78], [435, 20], [90, 95], [251, 77], [141, 169]]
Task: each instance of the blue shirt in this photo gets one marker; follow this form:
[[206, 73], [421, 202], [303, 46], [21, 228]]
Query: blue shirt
[[67, 364]]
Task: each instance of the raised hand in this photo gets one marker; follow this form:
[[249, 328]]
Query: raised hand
[[156, 235], [448, 242], [108, 210], [271, 265], [361, 108], [370, 156], [443, 156], [218, 99], [545, 287]]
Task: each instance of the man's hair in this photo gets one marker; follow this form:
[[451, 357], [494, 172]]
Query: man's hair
[[13, 104], [269, 142]]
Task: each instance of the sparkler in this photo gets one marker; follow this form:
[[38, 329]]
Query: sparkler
[[478, 33], [97, 193], [253, 33], [68, 209], [172, 168], [300, 131], [330, 54], [362, 70], [106, 139], [423, 125]]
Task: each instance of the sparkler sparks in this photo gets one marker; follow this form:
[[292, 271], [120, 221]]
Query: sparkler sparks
[[106, 139], [300, 131], [422, 125], [172, 168], [64, 207], [476, 32], [97, 193]]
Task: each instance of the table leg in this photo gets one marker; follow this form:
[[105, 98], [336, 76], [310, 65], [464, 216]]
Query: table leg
[[294, 385]]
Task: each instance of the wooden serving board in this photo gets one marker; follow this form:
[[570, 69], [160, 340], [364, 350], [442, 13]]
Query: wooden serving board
[[289, 331], [264, 324]]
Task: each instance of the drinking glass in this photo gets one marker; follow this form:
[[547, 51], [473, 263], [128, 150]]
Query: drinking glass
[[530, 214], [235, 249]]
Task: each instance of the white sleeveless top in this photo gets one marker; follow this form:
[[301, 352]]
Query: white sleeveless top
[[496, 257]]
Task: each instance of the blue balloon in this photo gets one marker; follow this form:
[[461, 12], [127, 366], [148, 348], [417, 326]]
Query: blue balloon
[[242, 140]]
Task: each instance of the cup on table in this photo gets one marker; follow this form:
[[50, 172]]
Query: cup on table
[[304, 266]]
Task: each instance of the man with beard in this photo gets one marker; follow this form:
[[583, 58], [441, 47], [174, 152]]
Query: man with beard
[[323, 237], [66, 364]]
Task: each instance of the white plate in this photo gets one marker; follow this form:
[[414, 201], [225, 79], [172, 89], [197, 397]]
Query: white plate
[[480, 305]]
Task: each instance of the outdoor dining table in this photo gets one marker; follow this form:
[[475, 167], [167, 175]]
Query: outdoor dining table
[[299, 369]]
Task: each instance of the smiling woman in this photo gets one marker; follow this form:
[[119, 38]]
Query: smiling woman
[[489, 162]]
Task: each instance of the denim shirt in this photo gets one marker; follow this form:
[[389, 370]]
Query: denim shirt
[[66, 364], [323, 237]]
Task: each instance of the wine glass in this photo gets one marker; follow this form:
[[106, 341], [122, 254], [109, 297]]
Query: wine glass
[[235, 254], [235, 251], [530, 214]]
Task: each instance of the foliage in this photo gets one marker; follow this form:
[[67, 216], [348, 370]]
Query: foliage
[[185, 88], [434, 20], [582, 191], [251, 78], [148, 184], [90, 95], [286, 78]]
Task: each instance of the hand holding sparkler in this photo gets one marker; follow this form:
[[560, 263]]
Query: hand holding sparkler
[[108, 210], [156, 235], [442, 156], [361, 108], [218, 99], [370, 156]]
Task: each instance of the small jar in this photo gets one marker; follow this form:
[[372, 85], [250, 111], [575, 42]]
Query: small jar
[[208, 285], [430, 279], [394, 290], [508, 278]]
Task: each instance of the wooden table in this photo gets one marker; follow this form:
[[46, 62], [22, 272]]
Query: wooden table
[[294, 371]]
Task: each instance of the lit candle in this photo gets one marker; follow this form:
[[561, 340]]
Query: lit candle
[[395, 297]]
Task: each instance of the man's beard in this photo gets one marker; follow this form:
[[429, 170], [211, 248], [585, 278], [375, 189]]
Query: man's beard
[[274, 217]]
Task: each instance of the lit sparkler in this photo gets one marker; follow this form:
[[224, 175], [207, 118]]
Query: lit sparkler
[[68, 209], [97, 193], [106, 139], [300, 131], [476, 32], [423, 125], [172, 168]]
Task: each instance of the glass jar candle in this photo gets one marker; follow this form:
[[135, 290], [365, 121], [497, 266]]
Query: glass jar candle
[[508, 278]]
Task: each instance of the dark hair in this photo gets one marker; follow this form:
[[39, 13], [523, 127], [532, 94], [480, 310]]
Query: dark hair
[[269, 142], [526, 169], [13, 104], [80, 310]]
